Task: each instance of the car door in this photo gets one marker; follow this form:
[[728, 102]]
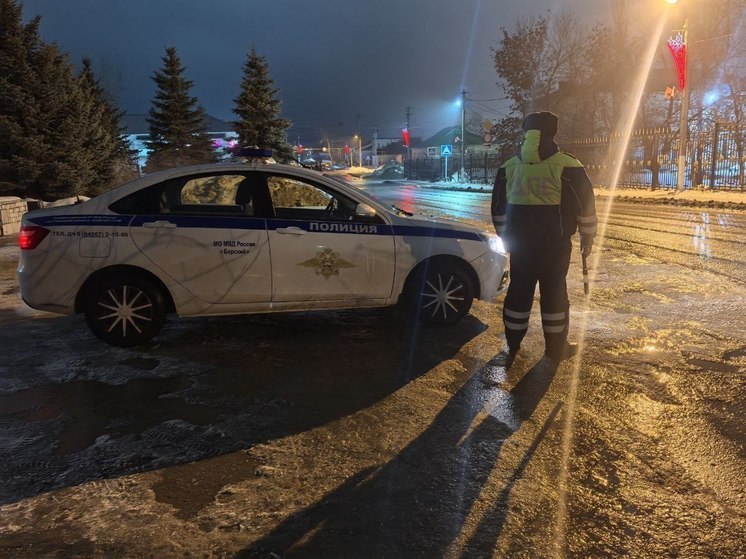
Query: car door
[[203, 235], [321, 250]]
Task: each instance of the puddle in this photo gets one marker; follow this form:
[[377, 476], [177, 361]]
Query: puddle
[[90, 410]]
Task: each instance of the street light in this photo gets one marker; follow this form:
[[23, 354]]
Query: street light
[[359, 149], [463, 137]]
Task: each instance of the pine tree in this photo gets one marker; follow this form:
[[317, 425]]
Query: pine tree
[[258, 110], [178, 130], [39, 154], [21, 149], [105, 135], [55, 134]]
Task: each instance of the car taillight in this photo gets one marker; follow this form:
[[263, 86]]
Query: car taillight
[[31, 236]]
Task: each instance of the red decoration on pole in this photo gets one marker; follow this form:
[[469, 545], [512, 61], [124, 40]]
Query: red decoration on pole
[[405, 137], [677, 46]]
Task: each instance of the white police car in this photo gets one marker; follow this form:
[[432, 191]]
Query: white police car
[[246, 237]]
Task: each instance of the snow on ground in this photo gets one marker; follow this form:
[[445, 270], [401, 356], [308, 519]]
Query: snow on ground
[[660, 195]]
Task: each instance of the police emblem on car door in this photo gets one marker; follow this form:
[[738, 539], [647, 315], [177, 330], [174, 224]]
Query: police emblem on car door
[[327, 263]]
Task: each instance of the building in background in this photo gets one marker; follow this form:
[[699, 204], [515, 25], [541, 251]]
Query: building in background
[[137, 131]]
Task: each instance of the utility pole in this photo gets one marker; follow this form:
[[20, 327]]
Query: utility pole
[[679, 47], [684, 121], [359, 142], [462, 172], [375, 146], [409, 143]]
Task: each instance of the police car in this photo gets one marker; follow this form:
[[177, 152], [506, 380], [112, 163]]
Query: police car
[[246, 236]]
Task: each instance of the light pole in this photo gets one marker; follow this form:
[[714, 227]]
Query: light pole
[[359, 149], [375, 147], [678, 44], [462, 172]]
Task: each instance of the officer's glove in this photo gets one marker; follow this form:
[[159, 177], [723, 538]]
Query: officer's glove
[[586, 245]]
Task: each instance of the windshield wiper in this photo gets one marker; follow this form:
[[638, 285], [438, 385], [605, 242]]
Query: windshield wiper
[[405, 212]]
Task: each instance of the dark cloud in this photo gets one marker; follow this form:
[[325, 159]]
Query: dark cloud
[[332, 59]]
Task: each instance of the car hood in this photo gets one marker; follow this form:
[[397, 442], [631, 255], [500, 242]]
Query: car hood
[[441, 223]]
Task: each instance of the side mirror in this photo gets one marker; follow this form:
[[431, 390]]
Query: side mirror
[[364, 211]]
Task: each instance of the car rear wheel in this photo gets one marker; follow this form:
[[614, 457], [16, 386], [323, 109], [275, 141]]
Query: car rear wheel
[[125, 311], [442, 293]]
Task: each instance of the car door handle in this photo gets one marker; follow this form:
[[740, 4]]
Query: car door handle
[[159, 225], [291, 230]]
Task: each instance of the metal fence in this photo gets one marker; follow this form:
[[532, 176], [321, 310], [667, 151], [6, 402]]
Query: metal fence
[[716, 159], [479, 168]]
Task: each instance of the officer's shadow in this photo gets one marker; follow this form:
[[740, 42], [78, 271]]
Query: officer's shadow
[[417, 503], [520, 389]]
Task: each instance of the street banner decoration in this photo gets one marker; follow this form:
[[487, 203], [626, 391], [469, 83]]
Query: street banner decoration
[[677, 46], [405, 137]]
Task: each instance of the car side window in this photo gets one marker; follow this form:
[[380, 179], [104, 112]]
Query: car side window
[[207, 194], [193, 195], [148, 201], [296, 199]]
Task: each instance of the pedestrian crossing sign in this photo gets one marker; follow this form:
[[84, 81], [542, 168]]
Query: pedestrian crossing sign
[[446, 150]]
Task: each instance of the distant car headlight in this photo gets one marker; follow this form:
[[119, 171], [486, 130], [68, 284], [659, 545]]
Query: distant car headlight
[[493, 241]]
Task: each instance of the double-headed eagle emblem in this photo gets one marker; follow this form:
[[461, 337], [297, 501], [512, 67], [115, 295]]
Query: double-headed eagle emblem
[[327, 263]]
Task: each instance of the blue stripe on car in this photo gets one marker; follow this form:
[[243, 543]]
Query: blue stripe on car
[[78, 220], [219, 222]]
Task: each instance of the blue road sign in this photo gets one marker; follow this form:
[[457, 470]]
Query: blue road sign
[[446, 150]]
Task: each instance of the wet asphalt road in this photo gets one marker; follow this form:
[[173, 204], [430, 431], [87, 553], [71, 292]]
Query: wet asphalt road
[[356, 434]]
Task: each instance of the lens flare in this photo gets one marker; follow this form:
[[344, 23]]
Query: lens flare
[[625, 127]]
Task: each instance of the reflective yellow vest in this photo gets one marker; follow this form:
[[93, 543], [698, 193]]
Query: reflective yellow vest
[[533, 182]]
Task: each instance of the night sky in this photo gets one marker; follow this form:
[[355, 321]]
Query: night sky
[[332, 59]]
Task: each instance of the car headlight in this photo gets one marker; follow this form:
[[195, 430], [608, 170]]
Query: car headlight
[[493, 241]]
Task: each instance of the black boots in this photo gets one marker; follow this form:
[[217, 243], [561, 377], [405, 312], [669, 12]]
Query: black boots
[[562, 353]]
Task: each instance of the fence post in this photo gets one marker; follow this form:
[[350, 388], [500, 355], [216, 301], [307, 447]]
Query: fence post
[[655, 163], [714, 155]]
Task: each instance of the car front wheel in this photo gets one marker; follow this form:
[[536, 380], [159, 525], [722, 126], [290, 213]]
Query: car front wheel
[[443, 293], [125, 311]]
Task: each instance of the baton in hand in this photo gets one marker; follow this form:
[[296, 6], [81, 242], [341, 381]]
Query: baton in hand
[[586, 286]]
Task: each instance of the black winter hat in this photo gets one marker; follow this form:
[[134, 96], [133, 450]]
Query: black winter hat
[[543, 121]]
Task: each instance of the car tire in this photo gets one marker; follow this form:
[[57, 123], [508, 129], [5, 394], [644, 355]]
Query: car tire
[[125, 310], [441, 293]]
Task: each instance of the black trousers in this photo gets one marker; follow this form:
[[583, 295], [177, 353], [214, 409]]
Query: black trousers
[[549, 270]]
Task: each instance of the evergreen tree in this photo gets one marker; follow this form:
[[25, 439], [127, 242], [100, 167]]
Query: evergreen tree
[[40, 103], [21, 150], [105, 135], [178, 130], [55, 135], [258, 110]]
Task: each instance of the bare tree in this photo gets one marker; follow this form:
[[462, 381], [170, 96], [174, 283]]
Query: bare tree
[[542, 65]]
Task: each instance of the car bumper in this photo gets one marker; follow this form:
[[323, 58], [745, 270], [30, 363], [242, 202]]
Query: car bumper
[[38, 292], [492, 270]]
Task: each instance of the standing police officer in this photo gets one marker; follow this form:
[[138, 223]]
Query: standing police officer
[[541, 197]]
